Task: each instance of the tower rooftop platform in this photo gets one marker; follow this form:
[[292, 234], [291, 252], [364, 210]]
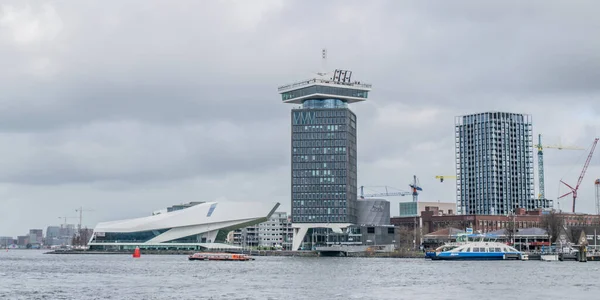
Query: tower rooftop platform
[[336, 85]]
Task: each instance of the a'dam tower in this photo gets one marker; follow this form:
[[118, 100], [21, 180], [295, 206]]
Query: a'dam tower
[[324, 187]]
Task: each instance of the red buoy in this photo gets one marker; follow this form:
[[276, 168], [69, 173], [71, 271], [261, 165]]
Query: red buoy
[[136, 253]]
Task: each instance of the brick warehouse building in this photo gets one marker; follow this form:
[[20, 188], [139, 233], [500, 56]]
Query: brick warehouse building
[[432, 220]]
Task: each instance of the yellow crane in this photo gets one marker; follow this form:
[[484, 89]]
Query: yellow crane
[[442, 177], [540, 147]]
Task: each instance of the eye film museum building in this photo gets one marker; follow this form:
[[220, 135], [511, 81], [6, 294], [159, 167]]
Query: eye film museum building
[[196, 227]]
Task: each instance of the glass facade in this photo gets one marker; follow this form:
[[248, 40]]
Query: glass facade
[[324, 90], [494, 164], [324, 103], [129, 237], [324, 163], [408, 209]]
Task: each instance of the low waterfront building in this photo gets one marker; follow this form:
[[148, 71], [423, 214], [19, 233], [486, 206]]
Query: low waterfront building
[[22, 241], [432, 220], [412, 209], [356, 235], [201, 226], [6, 241], [524, 239], [440, 237]]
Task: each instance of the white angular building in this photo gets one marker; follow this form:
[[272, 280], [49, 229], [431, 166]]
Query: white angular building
[[202, 226]]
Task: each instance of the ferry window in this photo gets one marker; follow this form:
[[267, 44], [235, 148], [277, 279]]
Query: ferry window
[[468, 250], [498, 250]]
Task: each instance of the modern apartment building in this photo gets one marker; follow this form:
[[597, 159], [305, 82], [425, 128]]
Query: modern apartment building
[[494, 164], [276, 232], [324, 187], [36, 237]]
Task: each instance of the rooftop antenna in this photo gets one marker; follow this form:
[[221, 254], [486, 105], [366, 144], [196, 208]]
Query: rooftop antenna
[[323, 62]]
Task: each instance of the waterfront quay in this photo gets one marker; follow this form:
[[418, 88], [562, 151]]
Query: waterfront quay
[[301, 253]]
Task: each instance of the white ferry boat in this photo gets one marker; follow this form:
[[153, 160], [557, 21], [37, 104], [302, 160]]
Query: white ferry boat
[[478, 251]]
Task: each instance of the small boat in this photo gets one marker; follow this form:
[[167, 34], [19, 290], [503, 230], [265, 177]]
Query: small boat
[[480, 251], [549, 257], [219, 256]]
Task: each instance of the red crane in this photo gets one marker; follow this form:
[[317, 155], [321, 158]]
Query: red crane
[[585, 166]]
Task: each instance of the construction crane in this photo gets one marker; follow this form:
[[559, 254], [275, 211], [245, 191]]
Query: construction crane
[[540, 154], [386, 194], [442, 177], [65, 220], [597, 185], [415, 188], [80, 210], [585, 166]]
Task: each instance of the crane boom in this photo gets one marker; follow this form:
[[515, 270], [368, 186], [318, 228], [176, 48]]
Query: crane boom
[[386, 194], [585, 166], [441, 177], [540, 154], [587, 163]]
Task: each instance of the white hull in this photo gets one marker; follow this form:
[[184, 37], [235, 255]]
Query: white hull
[[550, 257]]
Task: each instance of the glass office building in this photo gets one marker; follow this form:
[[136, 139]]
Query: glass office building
[[324, 187], [494, 164]]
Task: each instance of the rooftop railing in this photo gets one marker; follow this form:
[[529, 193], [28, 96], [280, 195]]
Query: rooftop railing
[[328, 81]]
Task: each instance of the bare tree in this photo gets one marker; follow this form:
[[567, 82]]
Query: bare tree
[[552, 223], [509, 230], [405, 237]]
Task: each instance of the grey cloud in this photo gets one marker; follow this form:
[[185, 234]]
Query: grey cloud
[[138, 153], [180, 98]]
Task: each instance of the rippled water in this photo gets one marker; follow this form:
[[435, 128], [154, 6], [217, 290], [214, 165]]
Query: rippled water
[[28, 274]]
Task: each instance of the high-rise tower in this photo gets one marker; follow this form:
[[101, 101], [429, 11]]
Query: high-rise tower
[[324, 187], [494, 164]]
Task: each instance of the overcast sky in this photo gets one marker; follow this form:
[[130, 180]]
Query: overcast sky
[[131, 106]]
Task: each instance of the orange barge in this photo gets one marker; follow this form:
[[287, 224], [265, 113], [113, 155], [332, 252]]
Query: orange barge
[[219, 256]]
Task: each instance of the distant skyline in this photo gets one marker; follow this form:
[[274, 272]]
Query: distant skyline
[[130, 107]]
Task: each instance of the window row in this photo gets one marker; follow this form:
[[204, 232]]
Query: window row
[[319, 158], [321, 180], [319, 219], [319, 199], [318, 128], [321, 143], [320, 188], [319, 136], [317, 165], [318, 173], [319, 150], [308, 117], [319, 211]]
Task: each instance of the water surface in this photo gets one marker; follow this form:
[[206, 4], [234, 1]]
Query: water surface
[[30, 274]]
